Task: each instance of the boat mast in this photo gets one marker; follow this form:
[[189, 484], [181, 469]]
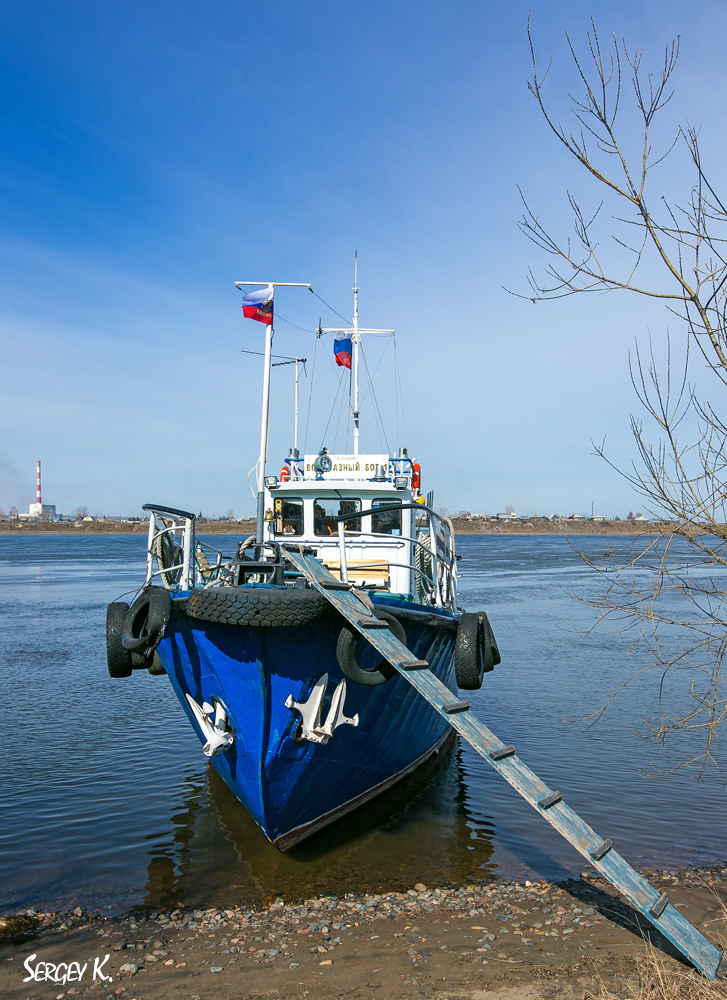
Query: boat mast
[[266, 404], [295, 435], [260, 513], [356, 334], [355, 339]]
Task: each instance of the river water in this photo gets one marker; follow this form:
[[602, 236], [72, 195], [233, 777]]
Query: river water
[[107, 802]]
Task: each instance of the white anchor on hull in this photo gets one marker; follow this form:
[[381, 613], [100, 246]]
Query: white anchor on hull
[[212, 721], [310, 711]]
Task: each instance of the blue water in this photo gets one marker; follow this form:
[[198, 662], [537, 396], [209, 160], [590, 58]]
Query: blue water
[[107, 801]]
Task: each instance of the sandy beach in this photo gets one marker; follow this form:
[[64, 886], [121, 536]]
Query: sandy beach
[[519, 940]]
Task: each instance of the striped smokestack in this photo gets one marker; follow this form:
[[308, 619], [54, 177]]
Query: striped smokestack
[[37, 485]]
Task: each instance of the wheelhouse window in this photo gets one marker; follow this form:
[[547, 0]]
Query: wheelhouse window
[[387, 519], [288, 516], [326, 510]]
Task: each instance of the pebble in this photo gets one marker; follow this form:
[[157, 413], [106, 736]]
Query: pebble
[[322, 915]]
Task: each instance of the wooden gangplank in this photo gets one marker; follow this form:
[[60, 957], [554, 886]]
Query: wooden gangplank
[[546, 801]]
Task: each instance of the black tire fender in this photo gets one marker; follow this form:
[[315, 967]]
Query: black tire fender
[[346, 652], [272, 607], [147, 661], [118, 658], [470, 652], [493, 658], [156, 666], [146, 621], [476, 651]]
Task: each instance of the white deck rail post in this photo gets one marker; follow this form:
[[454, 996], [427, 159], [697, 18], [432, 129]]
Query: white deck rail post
[[188, 547], [149, 545], [342, 550]]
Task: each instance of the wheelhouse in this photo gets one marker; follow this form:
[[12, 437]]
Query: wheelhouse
[[364, 518]]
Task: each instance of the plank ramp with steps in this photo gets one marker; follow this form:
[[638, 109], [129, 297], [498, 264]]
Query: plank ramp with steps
[[357, 609]]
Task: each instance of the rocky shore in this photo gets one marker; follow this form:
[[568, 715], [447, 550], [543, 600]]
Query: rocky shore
[[519, 940]]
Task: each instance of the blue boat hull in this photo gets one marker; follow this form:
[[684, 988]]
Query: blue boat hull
[[293, 787]]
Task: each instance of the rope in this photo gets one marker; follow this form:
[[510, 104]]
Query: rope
[[348, 416], [340, 410], [333, 406], [373, 396], [401, 394], [345, 320], [422, 566], [316, 338]]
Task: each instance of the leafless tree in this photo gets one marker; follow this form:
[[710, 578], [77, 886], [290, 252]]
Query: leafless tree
[[670, 589]]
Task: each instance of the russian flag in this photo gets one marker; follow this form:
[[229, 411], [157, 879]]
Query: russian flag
[[259, 305], [342, 349]]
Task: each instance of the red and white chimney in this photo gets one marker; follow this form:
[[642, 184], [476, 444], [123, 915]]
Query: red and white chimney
[[37, 485]]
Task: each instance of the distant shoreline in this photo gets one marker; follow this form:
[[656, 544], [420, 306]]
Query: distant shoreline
[[247, 527]]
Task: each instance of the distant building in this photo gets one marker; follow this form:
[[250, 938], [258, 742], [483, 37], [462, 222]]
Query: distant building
[[46, 511]]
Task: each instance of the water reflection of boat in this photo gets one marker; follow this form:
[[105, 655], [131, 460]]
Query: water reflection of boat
[[420, 831], [301, 720]]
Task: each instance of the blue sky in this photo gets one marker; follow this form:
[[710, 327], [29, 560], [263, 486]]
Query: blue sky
[[154, 153]]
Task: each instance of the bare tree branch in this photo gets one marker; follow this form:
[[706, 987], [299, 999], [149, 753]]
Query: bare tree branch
[[669, 593]]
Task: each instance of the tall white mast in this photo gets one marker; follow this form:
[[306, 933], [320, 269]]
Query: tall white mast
[[295, 436], [355, 339], [356, 334], [266, 405]]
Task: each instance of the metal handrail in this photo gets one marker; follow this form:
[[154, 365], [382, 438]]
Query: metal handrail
[[183, 522], [157, 509], [449, 568], [388, 506], [393, 541], [378, 565]]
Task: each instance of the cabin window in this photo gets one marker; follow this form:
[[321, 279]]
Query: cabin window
[[288, 516], [325, 511], [387, 519]]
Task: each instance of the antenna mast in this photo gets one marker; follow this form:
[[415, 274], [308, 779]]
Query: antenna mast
[[356, 333]]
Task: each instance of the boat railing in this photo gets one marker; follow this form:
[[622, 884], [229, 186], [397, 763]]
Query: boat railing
[[363, 539], [174, 558], [443, 575], [182, 563]]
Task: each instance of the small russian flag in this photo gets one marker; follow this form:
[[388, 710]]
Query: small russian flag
[[259, 305], [342, 349]]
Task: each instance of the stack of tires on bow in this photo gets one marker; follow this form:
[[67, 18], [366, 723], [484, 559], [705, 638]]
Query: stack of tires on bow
[[133, 633]]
